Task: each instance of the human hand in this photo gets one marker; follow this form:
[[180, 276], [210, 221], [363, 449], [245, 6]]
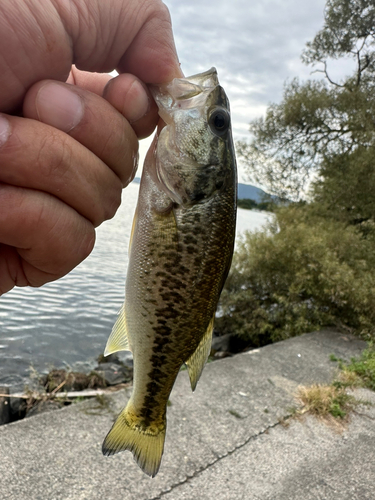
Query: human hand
[[65, 160]]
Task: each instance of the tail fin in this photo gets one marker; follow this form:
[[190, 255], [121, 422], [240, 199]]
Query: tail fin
[[146, 443]]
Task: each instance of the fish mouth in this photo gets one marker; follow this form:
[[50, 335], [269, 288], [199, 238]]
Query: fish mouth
[[181, 102], [183, 93]]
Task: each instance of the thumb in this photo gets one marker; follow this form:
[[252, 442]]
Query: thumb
[[44, 40]]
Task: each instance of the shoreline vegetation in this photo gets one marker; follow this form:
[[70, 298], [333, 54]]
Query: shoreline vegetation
[[61, 387], [314, 265], [249, 204]]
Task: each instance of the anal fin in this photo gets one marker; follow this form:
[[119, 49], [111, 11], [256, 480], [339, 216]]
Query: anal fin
[[118, 340], [197, 360]]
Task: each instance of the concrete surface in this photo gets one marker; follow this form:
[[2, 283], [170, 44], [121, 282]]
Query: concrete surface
[[225, 441]]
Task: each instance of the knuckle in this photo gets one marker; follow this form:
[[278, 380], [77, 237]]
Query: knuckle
[[112, 202], [161, 11], [54, 158], [67, 238], [87, 243], [11, 270], [155, 10]]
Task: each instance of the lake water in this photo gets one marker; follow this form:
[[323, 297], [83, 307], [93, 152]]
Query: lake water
[[67, 322]]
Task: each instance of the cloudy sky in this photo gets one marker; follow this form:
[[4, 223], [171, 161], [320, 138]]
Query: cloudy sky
[[254, 44]]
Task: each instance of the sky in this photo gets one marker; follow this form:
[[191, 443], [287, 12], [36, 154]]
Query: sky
[[255, 45]]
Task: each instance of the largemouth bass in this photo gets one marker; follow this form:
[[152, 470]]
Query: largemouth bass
[[179, 257]]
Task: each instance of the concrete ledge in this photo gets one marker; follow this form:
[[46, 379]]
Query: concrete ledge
[[225, 441]]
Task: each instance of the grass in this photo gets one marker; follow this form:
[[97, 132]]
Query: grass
[[360, 372], [332, 403], [61, 381], [102, 406], [326, 401]]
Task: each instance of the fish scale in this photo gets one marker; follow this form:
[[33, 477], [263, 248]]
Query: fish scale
[[179, 257]]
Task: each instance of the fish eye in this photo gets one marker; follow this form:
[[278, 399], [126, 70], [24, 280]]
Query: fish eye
[[219, 121]]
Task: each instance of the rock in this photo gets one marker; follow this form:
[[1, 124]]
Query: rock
[[112, 358], [76, 381], [43, 380], [237, 344], [43, 407], [228, 343], [72, 381], [113, 374], [127, 359], [222, 354], [4, 405], [17, 408], [221, 343]]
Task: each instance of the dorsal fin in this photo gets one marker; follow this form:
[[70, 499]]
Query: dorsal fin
[[197, 360]]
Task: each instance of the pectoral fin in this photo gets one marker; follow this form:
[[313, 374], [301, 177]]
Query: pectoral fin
[[197, 360], [135, 218], [118, 340]]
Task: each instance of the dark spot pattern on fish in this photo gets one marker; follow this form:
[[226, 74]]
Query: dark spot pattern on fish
[[171, 295], [197, 261], [166, 313], [161, 332], [181, 259], [191, 249], [189, 239], [151, 300]]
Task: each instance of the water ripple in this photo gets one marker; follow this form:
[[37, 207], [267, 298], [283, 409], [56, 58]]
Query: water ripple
[[67, 322]]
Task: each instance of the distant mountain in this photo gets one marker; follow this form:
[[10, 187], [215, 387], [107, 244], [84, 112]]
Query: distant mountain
[[245, 191]]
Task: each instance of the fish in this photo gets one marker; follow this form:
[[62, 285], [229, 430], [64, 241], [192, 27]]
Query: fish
[[180, 253]]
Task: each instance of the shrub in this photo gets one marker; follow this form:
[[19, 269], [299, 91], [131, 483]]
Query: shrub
[[304, 272]]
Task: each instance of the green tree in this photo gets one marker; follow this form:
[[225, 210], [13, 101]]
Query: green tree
[[315, 265], [325, 130]]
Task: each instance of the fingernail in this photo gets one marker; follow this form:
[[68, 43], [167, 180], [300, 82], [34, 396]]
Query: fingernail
[[4, 130], [136, 103], [58, 106]]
